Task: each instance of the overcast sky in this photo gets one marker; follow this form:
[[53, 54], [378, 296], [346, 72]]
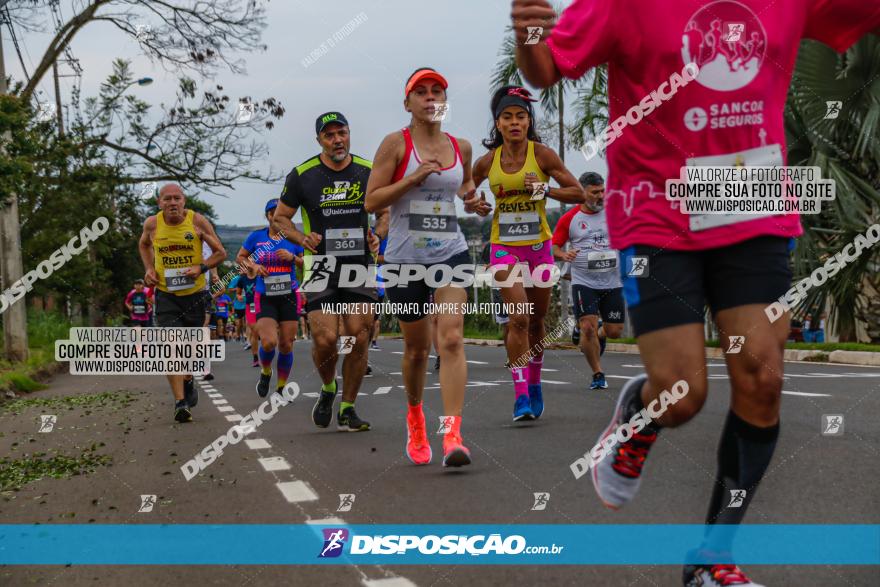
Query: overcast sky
[[362, 76]]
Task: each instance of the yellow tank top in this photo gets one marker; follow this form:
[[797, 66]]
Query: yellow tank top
[[176, 248], [518, 220]]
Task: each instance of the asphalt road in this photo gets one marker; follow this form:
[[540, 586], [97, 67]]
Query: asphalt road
[[291, 472]]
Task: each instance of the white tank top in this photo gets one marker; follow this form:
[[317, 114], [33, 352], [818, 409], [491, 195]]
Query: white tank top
[[424, 224]]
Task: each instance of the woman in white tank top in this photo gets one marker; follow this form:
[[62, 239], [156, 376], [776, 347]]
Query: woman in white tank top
[[417, 174]]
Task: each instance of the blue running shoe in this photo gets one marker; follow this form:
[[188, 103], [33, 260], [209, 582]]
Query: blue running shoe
[[536, 400], [599, 381], [522, 409]]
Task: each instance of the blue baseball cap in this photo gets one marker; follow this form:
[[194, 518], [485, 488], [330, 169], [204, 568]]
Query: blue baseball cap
[[271, 204]]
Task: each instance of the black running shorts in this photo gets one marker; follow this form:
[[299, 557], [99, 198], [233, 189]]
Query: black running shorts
[[180, 311], [419, 292], [607, 303], [677, 285], [278, 308]]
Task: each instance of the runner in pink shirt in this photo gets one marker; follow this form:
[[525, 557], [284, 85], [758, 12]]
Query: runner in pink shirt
[[139, 304], [692, 84]]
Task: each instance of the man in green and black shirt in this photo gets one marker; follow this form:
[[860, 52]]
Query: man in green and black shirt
[[329, 189]]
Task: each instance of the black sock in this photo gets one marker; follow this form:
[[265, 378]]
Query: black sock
[[743, 456], [635, 406]]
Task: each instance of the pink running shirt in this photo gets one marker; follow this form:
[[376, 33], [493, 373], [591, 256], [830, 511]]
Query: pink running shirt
[[732, 113]]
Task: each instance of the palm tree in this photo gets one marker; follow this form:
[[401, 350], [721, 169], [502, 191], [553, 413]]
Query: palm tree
[[591, 102], [846, 149]]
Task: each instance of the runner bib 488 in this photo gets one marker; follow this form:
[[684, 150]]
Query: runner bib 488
[[278, 285]]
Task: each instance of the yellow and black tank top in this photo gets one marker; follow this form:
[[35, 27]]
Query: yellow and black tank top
[[519, 217], [175, 249]]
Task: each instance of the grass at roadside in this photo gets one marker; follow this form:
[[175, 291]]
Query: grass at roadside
[[44, 328]]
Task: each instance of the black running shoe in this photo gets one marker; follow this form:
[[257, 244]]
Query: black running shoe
[[190, 393], [437, 364], [263, 384], [322, 413], [181, 412], [208, 377], [348, 421], [369, 370]]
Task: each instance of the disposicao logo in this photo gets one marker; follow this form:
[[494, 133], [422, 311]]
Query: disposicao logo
[[334, 541]]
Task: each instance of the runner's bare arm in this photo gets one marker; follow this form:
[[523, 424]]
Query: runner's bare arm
[[243, 259], [468, 191], [282, 222], [570, 190], [382, 220], [535, 61], [381, 192], [467, 180], [481, 168], [145, 248], [207, 234], [561, 255]]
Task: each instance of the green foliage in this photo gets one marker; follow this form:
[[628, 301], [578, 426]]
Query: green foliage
[[23, 383], [15, 473], [846, 149], [110, 399]]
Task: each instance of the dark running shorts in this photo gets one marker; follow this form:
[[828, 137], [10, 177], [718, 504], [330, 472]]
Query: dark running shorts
[[607, 303], [180, 311], [679, 284], [420, 292]]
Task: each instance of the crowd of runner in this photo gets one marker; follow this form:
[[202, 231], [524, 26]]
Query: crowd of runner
[[411, 188]]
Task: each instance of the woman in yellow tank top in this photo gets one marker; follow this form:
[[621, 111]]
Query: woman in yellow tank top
[[518, 168]]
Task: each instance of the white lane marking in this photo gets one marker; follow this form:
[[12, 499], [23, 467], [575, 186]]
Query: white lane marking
[[548, 370], [234, 418], [226, 409], [550, 381], [805, 394], [478, 362], [310, 393], [382, 390], [389, 582], [399, 373], [296, 491], [257, 443], [246, 429], [274, 463], [618, 377], [327, 522], [220, 402], [397, 352]]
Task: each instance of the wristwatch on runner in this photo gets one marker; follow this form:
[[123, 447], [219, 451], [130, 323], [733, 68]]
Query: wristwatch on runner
[[203, 267]]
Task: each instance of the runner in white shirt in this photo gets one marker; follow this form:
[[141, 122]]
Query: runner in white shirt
[[595, 277]]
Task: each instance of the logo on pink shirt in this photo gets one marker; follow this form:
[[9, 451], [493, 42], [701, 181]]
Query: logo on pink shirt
[[728, 42]]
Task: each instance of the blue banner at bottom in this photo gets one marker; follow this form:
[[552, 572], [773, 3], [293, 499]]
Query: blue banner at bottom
[[428, 544]]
